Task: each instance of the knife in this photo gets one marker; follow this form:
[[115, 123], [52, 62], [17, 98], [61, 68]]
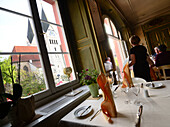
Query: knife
[[85, 110], [140, 110], [95, 114], [116, 88], [153, 85]]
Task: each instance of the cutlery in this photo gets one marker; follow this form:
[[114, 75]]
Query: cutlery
[[85, 110], [140, 110], [95, 114], [153, 85], [116, 88]]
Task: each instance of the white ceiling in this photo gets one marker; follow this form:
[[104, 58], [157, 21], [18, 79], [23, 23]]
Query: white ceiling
[[140, 11]]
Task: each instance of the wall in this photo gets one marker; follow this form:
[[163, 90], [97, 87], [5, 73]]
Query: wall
[[138, 31], [155, 32]]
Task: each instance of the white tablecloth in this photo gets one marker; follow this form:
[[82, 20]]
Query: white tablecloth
[[156, 110]]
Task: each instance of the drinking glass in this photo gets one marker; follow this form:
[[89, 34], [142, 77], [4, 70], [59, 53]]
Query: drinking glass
[[67, 71], [127, 95], [136, 90]]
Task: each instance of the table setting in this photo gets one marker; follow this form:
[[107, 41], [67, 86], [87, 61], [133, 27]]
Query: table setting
[[134, 104]]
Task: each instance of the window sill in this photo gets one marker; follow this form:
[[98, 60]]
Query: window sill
[[52, 112]]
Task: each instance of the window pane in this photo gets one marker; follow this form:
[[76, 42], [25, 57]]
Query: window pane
[[117, 53], [31, 73], [125, 49], [58, 63], [13, 31], [119, 34], [56, 43], [113, 29], [18, 37], [21, 6], [48, 11], [59, 55], [107, 26]]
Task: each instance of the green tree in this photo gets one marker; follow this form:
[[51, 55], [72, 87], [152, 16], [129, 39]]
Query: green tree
[[32, 82], [9, 72]]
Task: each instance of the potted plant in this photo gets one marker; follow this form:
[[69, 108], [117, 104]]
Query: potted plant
[[89, 77]]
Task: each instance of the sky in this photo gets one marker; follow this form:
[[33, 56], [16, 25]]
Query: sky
[[13, 28]]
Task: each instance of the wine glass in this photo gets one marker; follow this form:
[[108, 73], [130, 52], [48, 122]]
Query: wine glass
[[114, 89], [126, 91], [67, 71], [136, 91]]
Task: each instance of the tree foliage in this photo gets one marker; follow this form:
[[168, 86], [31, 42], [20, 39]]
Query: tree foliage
[[8, 70], [32, 82]]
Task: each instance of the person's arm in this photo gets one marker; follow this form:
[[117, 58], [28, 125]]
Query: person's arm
[[150, 61], [133, 60]]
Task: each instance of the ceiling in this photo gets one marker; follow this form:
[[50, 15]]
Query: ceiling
[[138, 12]]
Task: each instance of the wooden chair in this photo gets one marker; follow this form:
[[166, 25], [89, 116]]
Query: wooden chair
[[163, 74]]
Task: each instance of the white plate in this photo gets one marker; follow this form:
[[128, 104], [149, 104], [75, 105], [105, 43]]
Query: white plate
[[79, 111], [155, 85], [138, 80]]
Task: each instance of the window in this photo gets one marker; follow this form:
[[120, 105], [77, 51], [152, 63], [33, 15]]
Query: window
[[37, 59], [58, 51], [118, 46]]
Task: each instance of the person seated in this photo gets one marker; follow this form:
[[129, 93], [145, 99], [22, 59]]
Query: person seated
[[156, 49], [163, 58]]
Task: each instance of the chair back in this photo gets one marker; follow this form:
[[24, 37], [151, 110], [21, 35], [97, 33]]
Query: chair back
[[164, 75]]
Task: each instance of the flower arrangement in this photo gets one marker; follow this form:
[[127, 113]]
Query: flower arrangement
[[88, 76]]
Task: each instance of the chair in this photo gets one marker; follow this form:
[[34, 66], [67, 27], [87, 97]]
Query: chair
[[163, 69]]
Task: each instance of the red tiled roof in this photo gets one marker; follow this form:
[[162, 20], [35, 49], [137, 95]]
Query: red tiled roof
[[26, 58], [37, 64], [25, 49]]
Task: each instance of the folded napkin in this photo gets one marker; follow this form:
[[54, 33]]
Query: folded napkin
[[108, 106], [127, 80]]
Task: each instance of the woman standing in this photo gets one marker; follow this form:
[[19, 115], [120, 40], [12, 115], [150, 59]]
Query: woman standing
[[139, 59]]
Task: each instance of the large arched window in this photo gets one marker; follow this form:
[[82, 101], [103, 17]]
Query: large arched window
[[117, 45]]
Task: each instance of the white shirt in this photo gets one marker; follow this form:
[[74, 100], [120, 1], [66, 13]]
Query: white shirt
[[108, 65]]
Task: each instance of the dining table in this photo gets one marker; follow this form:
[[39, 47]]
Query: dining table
[[153, 96]]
